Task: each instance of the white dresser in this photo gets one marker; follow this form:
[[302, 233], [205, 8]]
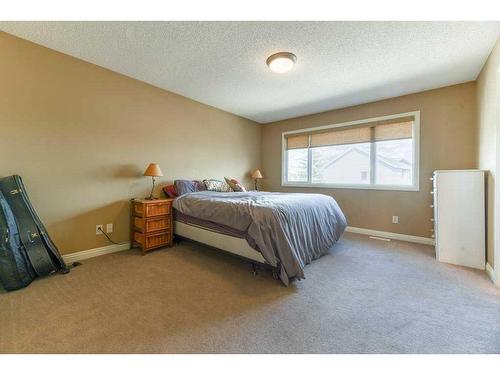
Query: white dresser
[[459, 217]]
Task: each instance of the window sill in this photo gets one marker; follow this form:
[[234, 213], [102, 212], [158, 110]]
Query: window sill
[[353, 187]]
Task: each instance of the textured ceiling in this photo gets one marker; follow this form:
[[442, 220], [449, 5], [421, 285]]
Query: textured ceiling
[[222, 64]]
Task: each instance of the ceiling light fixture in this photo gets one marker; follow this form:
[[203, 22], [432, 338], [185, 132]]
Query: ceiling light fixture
[[281, 62]]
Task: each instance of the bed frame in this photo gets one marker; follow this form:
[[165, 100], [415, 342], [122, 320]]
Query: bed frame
[[234, 246]]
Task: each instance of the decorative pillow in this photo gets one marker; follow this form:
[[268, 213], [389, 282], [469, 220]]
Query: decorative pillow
[[188, 186], [217, 185], [235, 184], [170, 191], [199, 185]]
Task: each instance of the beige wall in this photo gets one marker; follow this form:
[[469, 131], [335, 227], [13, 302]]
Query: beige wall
[[81, 136], [488, 115], [447, 138]]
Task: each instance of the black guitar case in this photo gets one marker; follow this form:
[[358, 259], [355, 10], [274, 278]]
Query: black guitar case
[[16, 271], [40, 249]]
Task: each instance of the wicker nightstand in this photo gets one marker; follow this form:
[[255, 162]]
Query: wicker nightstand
[[151, 224]]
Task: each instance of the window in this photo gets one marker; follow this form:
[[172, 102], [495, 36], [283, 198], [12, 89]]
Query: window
[[377, 153]]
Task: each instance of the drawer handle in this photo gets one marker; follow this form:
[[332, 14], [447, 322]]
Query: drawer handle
[[432, 192], [431, 206]]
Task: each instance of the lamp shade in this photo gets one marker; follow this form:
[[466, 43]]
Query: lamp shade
[[153, 170], [256, 174]]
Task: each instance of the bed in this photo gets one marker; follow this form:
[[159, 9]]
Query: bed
[[284, 231]]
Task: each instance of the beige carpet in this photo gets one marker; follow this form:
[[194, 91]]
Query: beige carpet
[[367, 296]]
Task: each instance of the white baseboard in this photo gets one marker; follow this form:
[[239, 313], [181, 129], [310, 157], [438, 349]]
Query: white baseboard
[[85, 254], [491, 273], [392, 236]]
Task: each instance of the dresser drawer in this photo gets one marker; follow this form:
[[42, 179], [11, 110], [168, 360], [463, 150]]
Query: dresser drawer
[[153, 224], [149, 241]]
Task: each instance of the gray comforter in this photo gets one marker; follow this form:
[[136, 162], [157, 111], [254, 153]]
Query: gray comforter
[[289, 230]]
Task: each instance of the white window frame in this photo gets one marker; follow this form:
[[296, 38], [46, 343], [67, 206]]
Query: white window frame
[[416, 156]]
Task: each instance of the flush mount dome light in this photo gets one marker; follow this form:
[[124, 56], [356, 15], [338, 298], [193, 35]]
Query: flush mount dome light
[[281, 62]]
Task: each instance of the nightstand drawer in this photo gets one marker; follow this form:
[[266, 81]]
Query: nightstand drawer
[[152, 240], [158, 209], [153, 224], [152, 209]]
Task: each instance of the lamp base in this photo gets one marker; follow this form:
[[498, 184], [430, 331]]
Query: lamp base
[[151, 197]]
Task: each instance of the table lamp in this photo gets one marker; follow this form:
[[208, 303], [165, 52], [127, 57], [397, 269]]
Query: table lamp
[[256, 175], [153, 170]]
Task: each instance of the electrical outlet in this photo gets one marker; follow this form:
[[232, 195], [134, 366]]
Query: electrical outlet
[[98, 229], [395, 219], [109, 228]]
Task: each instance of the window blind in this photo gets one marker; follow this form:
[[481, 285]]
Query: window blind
[[297, 141], [394, 131], [341, 137], [400, 128]]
